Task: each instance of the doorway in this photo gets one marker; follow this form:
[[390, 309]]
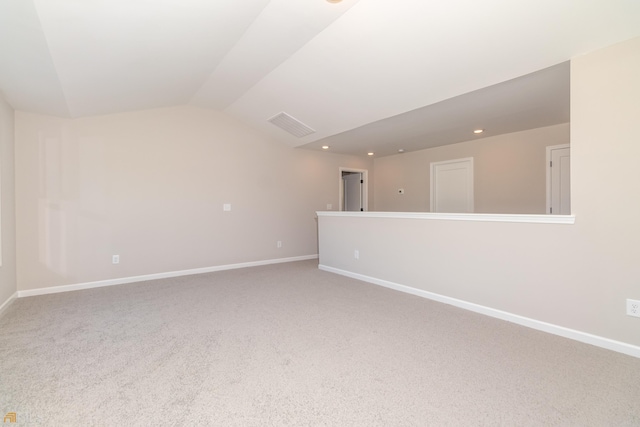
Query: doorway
[[559, 180], [452, 186], [353, 190]]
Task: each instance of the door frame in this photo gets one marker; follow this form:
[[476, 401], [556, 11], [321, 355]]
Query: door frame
[[549, 149], [365, 187], [470, 182]]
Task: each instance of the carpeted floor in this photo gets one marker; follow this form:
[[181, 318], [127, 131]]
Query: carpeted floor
[[288, 344]]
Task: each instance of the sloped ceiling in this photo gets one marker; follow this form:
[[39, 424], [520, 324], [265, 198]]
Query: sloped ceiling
[[347, 70]]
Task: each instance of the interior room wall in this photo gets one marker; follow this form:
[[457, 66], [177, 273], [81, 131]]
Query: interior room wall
[[7, 208], [509, 172], [576, 276], [150, 186]]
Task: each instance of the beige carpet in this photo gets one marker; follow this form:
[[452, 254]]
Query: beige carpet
[[291, 345]]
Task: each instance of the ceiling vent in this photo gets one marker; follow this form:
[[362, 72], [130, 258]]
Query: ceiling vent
[[293, 126]]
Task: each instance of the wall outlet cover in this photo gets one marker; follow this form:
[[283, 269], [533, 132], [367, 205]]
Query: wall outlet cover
[[633, 307]]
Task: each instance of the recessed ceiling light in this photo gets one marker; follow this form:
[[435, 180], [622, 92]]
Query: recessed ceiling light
[[369, 154], [334, 1], [478, 131], [325, 147], [401, 150]]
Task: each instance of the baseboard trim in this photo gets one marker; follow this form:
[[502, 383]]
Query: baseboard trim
[[169, 274], [8, 302], [573, 334]]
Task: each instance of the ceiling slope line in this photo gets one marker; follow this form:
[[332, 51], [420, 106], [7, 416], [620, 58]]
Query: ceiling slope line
[[53, 63], [342, 10], [231, 48]]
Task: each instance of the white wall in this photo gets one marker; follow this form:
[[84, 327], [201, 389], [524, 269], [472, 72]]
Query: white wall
[[150, 187], [7, 209], [575, 276], [509, 172]]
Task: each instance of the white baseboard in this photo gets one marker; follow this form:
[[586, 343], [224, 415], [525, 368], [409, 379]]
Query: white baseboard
[[584, 337], [133, 279], [8, 302]]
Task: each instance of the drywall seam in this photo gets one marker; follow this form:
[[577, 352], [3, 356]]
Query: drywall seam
[[573, 334]]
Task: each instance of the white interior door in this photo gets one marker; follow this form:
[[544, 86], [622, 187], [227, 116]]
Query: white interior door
[[352, 192], [452, 186], [559, 180]]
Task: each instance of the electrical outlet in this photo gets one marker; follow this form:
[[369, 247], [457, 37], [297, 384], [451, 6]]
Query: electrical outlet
[[279, 243], [356, 254], [633, 307], [115, 259]]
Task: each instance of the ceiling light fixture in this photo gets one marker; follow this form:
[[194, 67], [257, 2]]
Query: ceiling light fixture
[[334, 1], [369, 154], [325, 147], [401, 150], [478, 131]]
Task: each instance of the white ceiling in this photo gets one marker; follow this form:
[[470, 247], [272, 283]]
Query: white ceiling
[[347, 70]]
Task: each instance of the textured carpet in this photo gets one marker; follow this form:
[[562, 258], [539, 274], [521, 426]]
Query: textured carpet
[[288, 344]]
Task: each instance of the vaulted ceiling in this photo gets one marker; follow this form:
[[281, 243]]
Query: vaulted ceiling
[[361, 74]]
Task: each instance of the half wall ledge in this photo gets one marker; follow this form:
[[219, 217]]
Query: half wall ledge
[[537, 219]]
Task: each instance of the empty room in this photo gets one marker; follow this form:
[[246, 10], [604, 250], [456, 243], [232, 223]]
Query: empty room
[[319, 212]]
